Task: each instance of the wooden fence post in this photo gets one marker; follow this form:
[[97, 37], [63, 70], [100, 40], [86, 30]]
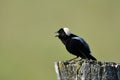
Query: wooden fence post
[[87, 70]]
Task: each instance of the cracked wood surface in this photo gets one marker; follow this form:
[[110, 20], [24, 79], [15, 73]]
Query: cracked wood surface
[[87, 70]]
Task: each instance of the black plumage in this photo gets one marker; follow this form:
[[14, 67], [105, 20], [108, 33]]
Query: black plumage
[[74, 44]]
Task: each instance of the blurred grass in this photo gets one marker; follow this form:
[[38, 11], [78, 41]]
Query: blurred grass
[[28, 48]]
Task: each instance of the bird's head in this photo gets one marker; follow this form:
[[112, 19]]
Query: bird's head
[[63, 33]]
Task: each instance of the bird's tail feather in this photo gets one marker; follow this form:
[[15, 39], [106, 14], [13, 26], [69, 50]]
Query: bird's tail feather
[[93, 58]]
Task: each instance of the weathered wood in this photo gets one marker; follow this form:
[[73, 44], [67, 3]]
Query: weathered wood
[[87, 70]]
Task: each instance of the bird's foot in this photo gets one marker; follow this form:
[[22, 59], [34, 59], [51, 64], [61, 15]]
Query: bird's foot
[[70, 61]]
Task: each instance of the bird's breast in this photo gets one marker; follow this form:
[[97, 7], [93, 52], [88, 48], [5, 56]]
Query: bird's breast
[[69, 46]]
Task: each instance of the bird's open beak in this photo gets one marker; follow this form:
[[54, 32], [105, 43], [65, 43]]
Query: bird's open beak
[[56, 34]]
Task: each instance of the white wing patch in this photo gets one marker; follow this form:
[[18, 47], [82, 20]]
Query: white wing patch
[[78, 38], [82, 40]]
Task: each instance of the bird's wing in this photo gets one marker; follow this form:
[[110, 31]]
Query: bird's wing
[[80, 44], [81, 47]]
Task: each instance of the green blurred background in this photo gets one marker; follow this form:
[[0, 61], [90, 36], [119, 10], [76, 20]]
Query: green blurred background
[[28, 48]]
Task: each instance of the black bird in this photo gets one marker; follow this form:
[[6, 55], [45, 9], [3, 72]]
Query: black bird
[[74, 44]]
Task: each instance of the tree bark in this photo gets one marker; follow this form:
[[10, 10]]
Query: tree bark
[[87, 70]]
